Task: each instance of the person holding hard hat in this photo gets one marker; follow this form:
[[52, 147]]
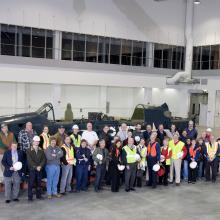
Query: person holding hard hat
[[179, 152], [12, 162], [6, 139], [142, 166], [211, 152], [153, 158], [193, 158], [115, 166], [83, 163], [67, 162], [75, 136], [166, 154], [101, 160], [36, 160], [129, 159]]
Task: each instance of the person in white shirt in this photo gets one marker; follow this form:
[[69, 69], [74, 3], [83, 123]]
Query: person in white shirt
[[91, 137]]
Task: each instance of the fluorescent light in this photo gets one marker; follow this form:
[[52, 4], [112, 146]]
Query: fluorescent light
[[197, 2]]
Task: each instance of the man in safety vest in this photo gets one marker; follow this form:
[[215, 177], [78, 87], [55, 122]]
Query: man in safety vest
[[45, 138], [179, 152], [153, 157], [75, 136], [67, 162], [129, 158], [211, 152]]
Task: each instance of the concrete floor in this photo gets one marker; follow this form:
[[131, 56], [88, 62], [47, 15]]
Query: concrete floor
[[187, 202]]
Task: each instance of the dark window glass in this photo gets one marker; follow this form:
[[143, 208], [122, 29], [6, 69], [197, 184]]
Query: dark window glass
[[214, 58], [67, 46], [176, 58], [24, 41], [79, 47], [49, 44], [8, 40], [137, 56], [115, 49], [196, 58], [205, 57], [158, 55], [103, 54], [91, 48], [38, 43], [126, 52], [167, 56], [182, 58]]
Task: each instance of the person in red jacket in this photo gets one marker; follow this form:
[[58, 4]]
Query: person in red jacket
[[166, 154]]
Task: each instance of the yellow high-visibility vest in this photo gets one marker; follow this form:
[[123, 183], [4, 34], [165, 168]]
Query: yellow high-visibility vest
[[46, 140], [212, 150], [176, 148], [69, 154], [130, 154], [77, 141]]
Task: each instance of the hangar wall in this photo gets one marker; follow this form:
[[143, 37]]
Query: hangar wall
[[26, 97]]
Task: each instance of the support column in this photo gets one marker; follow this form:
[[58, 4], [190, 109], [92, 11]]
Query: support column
[[56, 101], [211, 108], [103, 99], [148, 96], [57, 45], [21, 98], [149, 54]]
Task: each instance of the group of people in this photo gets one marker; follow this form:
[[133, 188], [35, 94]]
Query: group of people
[[131, 157]]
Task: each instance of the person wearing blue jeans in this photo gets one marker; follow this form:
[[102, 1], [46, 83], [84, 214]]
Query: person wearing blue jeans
[[53, 154], [185, 172], [83, 162], [67, 166]]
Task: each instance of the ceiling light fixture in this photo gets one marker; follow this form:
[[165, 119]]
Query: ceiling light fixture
[[197, 2]]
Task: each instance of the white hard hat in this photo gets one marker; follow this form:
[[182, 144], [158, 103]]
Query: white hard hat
[[75, 127], [209, 130], [36, 138], [121, 167], [156, 167], [17, 166], [137, 157], [193, 164], [99, 156], [162, 158], [180, 154], [137, 138]]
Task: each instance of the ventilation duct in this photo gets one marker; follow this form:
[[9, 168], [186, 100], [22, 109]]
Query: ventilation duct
[[186, 76]]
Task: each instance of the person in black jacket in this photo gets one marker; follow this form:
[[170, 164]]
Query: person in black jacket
[[36, 160], [113, 166], [83, 163]]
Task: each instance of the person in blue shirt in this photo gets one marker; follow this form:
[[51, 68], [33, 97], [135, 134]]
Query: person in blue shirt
[[83, 163], [191, 131], [193, 156]]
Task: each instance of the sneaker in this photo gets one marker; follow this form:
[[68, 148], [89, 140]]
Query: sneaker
[[7, 201], [177, 184], [63, 194], [57, 195], [49, 197]]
